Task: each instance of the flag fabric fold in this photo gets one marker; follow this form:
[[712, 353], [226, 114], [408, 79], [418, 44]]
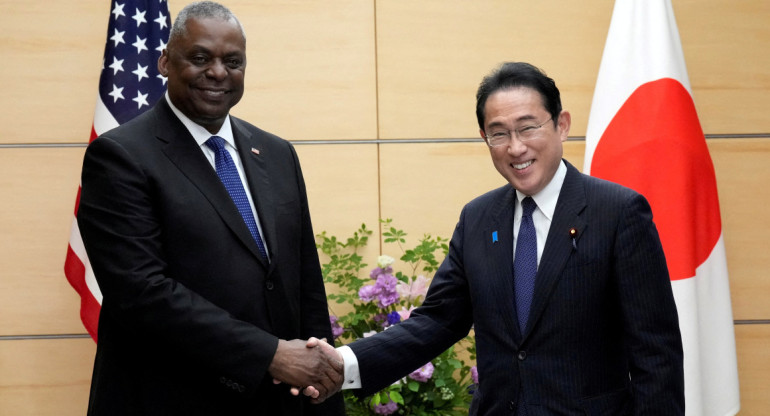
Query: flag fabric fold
[[643, 132], [129, 84]]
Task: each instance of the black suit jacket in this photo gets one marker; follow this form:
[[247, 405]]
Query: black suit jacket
[[603, 334], [192, 314]]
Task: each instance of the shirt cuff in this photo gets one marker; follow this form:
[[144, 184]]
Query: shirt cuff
[[352, 373]]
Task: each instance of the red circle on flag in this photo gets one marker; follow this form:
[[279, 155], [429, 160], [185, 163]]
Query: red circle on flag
[[655, 145]]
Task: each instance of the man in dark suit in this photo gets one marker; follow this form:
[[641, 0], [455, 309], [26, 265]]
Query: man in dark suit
[[584, 323], [202, 247]]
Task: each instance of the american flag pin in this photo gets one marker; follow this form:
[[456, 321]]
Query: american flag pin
[[255, 151]]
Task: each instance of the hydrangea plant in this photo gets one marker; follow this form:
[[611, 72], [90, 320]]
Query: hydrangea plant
[[363, 306]]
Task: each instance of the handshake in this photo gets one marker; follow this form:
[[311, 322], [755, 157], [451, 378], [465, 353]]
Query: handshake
[[312, 367]]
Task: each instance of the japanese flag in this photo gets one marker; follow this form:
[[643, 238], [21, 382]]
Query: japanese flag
[[643, 132]]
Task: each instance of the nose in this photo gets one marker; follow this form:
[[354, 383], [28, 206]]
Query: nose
[[217, 70], [516, 147]]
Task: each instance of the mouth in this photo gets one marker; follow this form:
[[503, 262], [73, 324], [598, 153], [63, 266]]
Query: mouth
[[214, 93], [522, 166]]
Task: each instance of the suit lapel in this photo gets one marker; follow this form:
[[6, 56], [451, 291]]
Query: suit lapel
[[559, 244], [255, 169], [498, 244], [182, 150]]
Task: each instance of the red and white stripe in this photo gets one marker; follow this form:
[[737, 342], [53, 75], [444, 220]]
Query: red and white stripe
[[76, 265]]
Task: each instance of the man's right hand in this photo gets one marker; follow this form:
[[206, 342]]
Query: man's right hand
[[314, 366]]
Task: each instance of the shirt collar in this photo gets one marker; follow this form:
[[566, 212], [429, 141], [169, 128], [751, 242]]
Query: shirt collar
[[199, 133], [546, 199]]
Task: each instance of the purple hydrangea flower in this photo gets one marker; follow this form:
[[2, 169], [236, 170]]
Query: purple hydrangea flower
[[423, 373], [394, 318], [386, 409], [337, 330], [368, 293], [376, 272], [386, 290], [475, 374]]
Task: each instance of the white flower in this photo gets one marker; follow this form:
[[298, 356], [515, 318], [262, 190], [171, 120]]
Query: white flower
[[385, 261]]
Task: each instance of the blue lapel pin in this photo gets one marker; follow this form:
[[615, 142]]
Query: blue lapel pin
[[494, 236]]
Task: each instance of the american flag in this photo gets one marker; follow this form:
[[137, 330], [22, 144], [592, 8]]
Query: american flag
[[129, 84]]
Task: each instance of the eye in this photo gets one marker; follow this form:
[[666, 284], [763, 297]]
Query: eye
[[234, 63], [198, 60], [499, 135]]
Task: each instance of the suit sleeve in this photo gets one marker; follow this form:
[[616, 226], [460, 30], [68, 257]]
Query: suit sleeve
[[121, 231], [649, 313]]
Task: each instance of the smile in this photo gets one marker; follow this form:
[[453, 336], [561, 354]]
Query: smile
[[522, 165], [214, 93]]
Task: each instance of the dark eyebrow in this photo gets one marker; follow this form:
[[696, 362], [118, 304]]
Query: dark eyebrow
[[527, 117]]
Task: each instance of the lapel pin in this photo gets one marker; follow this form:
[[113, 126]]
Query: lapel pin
[[494, 236], [573, 233], [255, 151]]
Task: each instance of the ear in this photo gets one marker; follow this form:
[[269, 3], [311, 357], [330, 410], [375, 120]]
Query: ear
[[163, 63], [565, 121], [483, 135]]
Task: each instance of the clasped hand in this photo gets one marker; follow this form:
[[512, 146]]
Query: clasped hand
[[313, 367]]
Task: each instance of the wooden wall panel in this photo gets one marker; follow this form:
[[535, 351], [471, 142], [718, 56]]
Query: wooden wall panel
[[753, 368], [341, 182], [39, 186], [46, 377], [52, 56], [725, 48]]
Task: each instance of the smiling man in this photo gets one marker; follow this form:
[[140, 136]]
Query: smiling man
[[197, 226], [561, 275]]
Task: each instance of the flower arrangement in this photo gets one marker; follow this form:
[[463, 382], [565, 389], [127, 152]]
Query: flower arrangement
[[384, 298]]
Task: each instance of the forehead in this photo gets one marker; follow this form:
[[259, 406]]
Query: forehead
[[208, 32], [511, 104]]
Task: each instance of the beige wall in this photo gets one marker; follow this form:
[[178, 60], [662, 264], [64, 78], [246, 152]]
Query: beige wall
[[371, 71]]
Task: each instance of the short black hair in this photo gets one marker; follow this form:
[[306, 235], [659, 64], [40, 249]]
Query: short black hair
[[518, 74]]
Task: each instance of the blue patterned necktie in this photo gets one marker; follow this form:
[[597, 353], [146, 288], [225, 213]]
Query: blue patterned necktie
[[525, 262], [228, 174]]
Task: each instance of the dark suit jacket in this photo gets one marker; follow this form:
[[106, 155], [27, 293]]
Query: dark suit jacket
[[192, 314], [603, 334]]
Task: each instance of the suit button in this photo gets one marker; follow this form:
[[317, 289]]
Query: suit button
[[269, 285], [522, 355]]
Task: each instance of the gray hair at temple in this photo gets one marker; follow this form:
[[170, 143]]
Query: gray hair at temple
[[201, 10]]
